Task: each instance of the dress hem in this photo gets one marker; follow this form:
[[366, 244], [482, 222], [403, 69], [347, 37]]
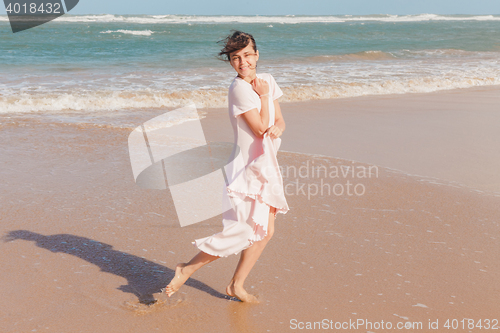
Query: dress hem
[[250, 240], [256, 196]]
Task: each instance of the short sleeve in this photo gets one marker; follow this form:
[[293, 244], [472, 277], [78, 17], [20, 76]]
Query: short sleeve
[[242, 98], [277, 93]]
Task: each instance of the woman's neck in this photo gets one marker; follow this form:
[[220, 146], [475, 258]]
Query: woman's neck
[[248, 78]]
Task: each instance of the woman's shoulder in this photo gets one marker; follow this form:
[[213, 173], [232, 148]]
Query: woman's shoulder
[[240, 90], [240, 85]]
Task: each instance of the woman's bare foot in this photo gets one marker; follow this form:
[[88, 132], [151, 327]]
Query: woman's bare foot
[[179, 279], [240, 294]]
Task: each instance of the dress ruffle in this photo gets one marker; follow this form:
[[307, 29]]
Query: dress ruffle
[[261, 179], [260, 182]]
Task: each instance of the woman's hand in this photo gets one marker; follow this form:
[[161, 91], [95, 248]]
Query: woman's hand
[[260, 86], [274, 132]]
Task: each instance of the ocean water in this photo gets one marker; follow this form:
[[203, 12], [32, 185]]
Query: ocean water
[[113, 62]]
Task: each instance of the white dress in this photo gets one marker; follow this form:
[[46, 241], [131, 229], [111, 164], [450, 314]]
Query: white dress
[[254, 180]]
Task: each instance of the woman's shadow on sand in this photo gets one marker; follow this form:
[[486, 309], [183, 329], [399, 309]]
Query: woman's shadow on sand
[[144, 277]]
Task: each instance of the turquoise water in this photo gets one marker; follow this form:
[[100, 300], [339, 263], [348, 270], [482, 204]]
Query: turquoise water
[[109, 62]]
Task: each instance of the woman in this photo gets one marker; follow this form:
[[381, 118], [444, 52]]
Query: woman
[[255, 186]]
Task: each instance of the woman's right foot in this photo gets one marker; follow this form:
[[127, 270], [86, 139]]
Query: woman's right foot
[[179, 279], [241, 294]]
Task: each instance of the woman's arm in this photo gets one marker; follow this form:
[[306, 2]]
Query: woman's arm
[[279, 121], [278, 128], [259, 122]]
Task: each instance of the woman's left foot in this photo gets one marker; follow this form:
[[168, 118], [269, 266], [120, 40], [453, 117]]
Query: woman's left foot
[[179, 279]]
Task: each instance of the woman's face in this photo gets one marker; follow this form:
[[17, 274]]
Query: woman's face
[[244, 61]]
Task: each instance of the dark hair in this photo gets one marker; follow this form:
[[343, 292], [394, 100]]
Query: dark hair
[[237, 41]]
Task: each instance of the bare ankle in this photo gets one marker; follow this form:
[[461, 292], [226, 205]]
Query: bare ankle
[[236, 284], [186, 269]]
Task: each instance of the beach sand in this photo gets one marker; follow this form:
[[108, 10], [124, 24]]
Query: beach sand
[[84, 249]]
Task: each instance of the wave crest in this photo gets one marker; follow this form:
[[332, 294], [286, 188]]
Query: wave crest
[[130, 32], [217, 98], [364, 55], [286, 19]]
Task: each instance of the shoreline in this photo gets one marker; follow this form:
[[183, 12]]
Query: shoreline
[[442, 116]]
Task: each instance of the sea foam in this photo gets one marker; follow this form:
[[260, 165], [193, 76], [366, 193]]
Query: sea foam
[[288, 19], [130, 32], [217, 98]]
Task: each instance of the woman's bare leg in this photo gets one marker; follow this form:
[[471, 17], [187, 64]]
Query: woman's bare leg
[[248, 259], [184, 270]]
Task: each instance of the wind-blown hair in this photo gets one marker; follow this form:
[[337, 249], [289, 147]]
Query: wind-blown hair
[[236, 41]]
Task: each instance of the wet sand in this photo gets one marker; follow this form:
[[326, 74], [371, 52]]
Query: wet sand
[[84, 249], [449, 135]]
